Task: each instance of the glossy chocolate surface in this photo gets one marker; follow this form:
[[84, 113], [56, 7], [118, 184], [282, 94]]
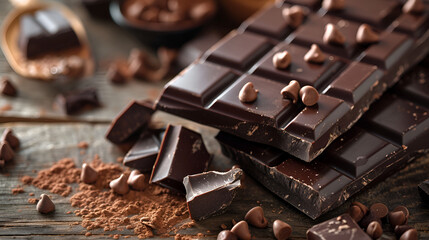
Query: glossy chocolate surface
[[339, 228], [391, 134], [351, 78], [143, 154]]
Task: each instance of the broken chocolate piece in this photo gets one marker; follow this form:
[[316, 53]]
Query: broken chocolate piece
[[241, 230], [413, 6], [136, 180], [256, 218], [7, 88], [45, 204], [132, 119], [115, 75], [143, 154], [332, 35], [182, 153], [210, 193], [6, 152], [281, 60], [365, 35], [342, 227], [281, 230], [293, 16], [78, 101], [309, 95], [424, 190], [333, 5], [120, 185], [291, 91], [314, 55], [88, 175], [248, 93], [10, 137]]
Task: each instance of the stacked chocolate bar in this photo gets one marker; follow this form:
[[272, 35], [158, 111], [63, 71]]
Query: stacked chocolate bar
[[348, 53]]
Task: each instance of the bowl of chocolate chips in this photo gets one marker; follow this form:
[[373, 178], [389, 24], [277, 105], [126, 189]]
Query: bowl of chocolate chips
[[163, 22]]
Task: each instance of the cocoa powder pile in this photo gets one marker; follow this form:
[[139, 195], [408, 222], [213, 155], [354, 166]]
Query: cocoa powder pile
[[151, 211]]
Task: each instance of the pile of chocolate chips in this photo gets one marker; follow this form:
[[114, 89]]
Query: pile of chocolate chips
[[371, 219], [8, 144]]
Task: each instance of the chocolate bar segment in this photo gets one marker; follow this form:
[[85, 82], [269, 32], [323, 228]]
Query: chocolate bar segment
[[390, 134], [349, 79], [338, 228], [142, 155]]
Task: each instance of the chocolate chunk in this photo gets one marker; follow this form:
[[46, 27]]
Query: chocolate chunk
[[136, 180], [291, 91], [410, 235], [293, 16], [132, 119], [361, 206], [241, 230], [374, 230], [333, 5], [45, 32], [256, 218], [7, 88], [116, 75], [332, 35], [248, 93], [10, 137], [379, 210], [78, 101], [120, 185], [45, 204], [143, 154], [403, 209], [201, 10], [182, 153], [397, 218], [356, 213], [314, 55], [401, 229], [282, 60], [309, 95], [365, 35], [413, 6], [424, 190], [226, 235], [342, 227], [210, 193], [282, 230], [88, 175], [6, 152]]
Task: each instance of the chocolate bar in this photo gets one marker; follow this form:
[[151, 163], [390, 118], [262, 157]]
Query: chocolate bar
[[391, 134], [341, 227], [352, 75], [45, 31]]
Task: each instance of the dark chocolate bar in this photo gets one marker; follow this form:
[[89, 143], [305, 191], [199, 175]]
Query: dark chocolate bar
[[351, 77], [391, 134], [78, 101], [45, 31], [339, 228]]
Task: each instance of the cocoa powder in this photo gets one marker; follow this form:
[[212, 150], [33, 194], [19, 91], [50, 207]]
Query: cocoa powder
[[154, 211]]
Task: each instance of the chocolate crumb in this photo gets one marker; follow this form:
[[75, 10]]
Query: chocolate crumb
[[32, 200], [17, 190]]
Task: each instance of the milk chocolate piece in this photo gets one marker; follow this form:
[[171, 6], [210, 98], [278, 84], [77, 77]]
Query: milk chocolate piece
[[120, 185], [10, 137], [7, 88], [374, 230], [44, 32], [281, 60], [281, 230], [342, 227], [401, 229], [356, 213], [293, 16], [132, 119], [379, 210], [291, 91], [78, 101], [45, 204], [182, 153], [410, 234], [136, 180], [397, 218], [226, 235], [413, 6], [333, 5], [256, 218], [366, 35], [241, 230], [309, 95], [332, 35], [6, 152], [143, 154], [424, 190], [248, 93], [314, 55], [88, 175], [210, 193]]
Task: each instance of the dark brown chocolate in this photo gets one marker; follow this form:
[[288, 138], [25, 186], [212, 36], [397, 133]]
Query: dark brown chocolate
[[338, 228], [182, 153], [210, 193], [7, 88], [78, 101], [142, 155], [424, 190]]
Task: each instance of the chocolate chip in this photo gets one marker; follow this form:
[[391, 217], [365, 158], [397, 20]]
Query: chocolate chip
[[293, 16], [120, 185], [356, 213], [7, 88], [365, 35], [45, 204], [137, 180], [374, 230], [309, 95], [367, 219], [404, 210], [397, 218], [248, 93], [362, 207], [413, 6], [282, 60], [150, 14], [88, 175], [410, 234], [241, 230], [226, 235], [10, 138], [401, 229], [332, 5], [115, 75], [291, 91], [202, 10], [379, 210], [2, 163], [281, 230], [332, 35], [255, 217], [6, 152], [314, 55]]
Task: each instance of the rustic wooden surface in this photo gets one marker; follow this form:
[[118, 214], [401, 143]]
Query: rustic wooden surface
[[45, 143]]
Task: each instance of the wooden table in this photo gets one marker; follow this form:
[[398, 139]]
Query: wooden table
[[44, 143]]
